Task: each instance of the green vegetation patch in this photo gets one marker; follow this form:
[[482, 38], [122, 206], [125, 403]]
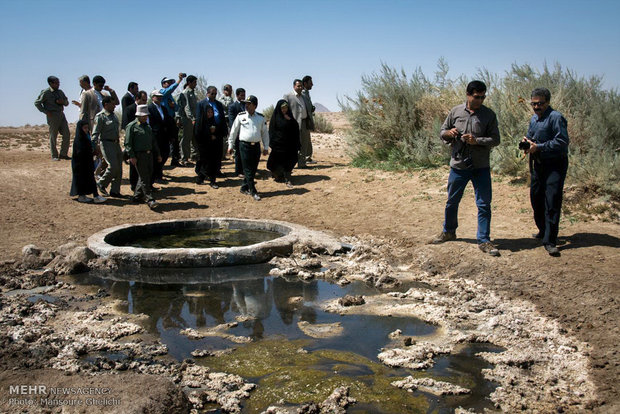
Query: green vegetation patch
[[286, 372]]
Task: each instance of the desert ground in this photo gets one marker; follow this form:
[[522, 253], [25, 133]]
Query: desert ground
[[402, 210]]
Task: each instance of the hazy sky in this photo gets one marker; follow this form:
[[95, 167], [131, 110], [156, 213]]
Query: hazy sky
[[263, 45]]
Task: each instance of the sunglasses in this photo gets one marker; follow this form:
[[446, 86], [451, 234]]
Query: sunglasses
[[537, 103], [480, 97]]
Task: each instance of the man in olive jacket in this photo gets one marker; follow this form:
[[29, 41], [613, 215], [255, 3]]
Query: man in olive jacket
[[141, 146]]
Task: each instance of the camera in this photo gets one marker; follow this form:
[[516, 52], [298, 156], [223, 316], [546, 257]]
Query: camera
[[184, 75], [524, 145]]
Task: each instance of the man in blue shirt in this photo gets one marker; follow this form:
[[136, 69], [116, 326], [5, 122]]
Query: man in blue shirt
[[168, 86], [547, 143]]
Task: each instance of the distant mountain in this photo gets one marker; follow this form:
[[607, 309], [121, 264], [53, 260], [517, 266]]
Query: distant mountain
[[320, 108]]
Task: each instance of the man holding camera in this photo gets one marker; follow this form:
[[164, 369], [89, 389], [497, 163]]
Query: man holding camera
[[471, 130], [547, 143]]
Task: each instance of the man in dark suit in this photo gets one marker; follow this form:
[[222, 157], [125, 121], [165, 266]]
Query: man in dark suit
[[218, 112], [130, 97], [160, 121], [233, 111]]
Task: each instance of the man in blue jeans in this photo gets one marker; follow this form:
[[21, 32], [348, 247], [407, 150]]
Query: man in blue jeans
[[471, 130]]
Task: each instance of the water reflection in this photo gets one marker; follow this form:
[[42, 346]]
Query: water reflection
[[269, 307]]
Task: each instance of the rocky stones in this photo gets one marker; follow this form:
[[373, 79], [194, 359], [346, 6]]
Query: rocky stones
[[324, 330], [35, 258], [431, 386], [352, 300], [337, 402]]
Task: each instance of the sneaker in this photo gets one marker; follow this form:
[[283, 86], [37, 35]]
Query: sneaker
[[310, 162], [55, 159], [289, 184], [552, 250], [214, 186], [152, 204], [102, 190], [84, 199], [99, 199], [443, 237], [256, 197], [488, 248], [246, 192]]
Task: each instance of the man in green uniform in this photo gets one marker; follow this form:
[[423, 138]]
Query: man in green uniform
[[141, 146], [106, 133], [51, 102]]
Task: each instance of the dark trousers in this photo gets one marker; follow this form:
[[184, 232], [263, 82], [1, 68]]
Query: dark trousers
[[144, 167], [457, 181], [163, 142], [250, 156], [209, 163], [133, 176], [175, 147], [238, 165], [546, 188]]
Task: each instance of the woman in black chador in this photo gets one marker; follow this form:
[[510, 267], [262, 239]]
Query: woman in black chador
[[83, 166], [284, 143], [210, 140]]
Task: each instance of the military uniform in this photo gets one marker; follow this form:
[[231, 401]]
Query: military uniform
[[187, 114], [46, 103], [140, 143], [107, 133], [251, 130]]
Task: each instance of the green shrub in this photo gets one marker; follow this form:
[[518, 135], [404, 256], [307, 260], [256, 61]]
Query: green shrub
[[395, 120], [322, 124]]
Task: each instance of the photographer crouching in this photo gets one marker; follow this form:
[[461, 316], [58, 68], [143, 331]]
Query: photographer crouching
[[471, 130], [547, 143]]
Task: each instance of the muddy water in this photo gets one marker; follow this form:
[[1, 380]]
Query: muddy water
[[202, 238], [287, 364]]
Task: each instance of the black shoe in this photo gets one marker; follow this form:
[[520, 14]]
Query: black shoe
[[538, 235], [214, 186], [136, 199], [552, 250], [246, 192], [65, 157], [175, 164], [117, 195], [256, 197], [200, 180]]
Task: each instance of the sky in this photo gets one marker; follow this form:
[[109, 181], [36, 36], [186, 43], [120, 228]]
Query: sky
[[263, 45]]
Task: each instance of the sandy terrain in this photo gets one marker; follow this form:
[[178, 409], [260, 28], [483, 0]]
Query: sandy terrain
[[579, 289]]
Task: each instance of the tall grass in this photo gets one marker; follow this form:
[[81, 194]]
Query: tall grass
[[396, 118]]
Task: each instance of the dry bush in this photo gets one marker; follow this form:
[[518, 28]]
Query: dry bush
[[395, 120]]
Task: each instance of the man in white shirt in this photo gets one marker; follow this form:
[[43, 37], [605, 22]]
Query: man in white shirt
[[251, 128]]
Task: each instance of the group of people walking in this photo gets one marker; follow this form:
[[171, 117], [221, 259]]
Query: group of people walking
[[176, 127], [152, 135]]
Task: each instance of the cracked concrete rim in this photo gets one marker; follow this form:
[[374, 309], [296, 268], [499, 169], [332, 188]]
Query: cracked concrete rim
[[102, 243]]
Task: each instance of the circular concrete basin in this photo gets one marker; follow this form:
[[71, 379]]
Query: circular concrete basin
[[111, 243]]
